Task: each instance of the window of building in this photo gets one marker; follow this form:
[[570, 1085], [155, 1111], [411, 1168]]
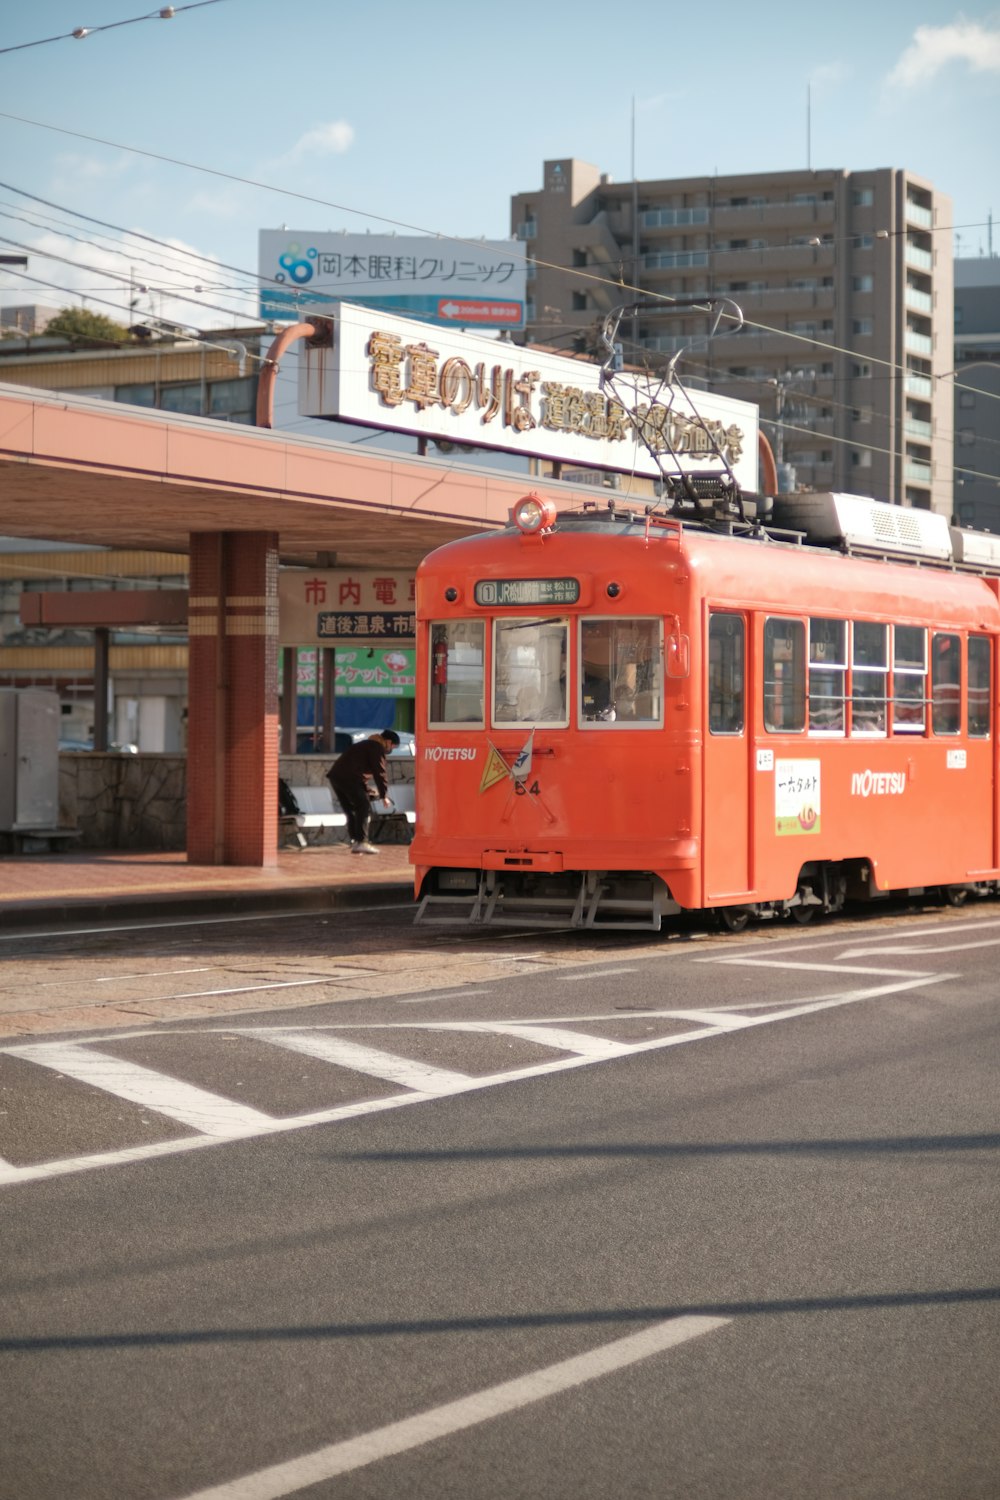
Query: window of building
[[869, 663], [861, 458], [909, 679], [726, 673], [863, 325], [456, 672], [863, 283], [621, 672], [863, 197], [966, 398], [966, 437], [233, 400], [136, 395], [182, 398], [864, 241], [827, 675], [784, 675], [579, 301], [861, 371], [946, 682], [980, 711]]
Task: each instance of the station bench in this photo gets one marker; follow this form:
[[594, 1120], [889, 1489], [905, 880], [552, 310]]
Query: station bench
[[318, 808]]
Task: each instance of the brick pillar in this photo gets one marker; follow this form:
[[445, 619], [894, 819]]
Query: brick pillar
[[232, 767]]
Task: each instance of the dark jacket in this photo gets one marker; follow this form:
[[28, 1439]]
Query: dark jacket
[[365, 758]]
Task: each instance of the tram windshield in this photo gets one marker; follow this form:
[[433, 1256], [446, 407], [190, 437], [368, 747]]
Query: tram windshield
[[529, 671], [621, 671]]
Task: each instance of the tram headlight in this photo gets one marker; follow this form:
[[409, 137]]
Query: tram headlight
[[533, 514]]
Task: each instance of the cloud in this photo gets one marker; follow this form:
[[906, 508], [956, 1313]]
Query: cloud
[[332, 139], [934, 47]]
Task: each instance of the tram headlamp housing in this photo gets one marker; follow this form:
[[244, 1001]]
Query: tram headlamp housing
[[532, 514]]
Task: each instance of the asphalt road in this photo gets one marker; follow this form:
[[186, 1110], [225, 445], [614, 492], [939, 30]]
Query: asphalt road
[[380, 1213]]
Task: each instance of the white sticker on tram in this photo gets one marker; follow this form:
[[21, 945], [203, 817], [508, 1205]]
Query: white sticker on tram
[[456, 1416]]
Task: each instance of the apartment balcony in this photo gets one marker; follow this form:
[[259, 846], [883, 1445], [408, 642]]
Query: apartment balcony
[[921, 260], [919, 386], [673, 260], [916, 472], [915, 428], [917, 214], [921, 302], [784, 299], [815, 258], [774, 216], [917, 343]]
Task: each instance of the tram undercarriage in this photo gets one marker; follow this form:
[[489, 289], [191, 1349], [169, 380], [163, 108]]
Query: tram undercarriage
[[639, 901]]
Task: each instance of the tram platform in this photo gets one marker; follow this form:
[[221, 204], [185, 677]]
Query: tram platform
[[79, 885]]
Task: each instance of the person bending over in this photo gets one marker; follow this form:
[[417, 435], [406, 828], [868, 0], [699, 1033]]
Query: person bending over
[[348, 777]]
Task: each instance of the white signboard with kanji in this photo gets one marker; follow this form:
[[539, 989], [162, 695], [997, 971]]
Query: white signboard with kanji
[[388, 372]]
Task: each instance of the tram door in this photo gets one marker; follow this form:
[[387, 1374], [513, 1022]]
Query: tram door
[[726, 807]]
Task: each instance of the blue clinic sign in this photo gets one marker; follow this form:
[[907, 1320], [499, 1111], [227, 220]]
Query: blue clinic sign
[[461, 283]]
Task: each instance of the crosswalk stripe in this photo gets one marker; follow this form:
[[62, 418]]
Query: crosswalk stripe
[[209, 1114], [421, 1076], [580, 1043]]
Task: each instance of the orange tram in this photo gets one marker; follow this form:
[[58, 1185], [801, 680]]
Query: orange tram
[[622, 714]]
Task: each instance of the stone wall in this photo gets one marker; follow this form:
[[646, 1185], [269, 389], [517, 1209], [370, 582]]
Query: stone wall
[[138, 801]]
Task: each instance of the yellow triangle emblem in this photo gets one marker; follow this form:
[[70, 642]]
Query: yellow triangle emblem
[[495, 769]]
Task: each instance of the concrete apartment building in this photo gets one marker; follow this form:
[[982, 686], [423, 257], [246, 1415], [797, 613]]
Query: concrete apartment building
[[844, 280], [976, 386]]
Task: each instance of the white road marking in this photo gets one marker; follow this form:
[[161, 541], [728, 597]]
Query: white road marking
[[249, 989], [595, 974], [933, 947], [723, 1019], [153, 974], [457, 993], [368, 1060], [456, 1416], [578, 1042], [209, 1114], [839, 968], [721, 1025]]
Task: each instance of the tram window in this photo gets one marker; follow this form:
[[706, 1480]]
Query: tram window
[[456, 672], [726, 673], [784, 675], [909, 679], [621, 672], [827, 675], [980, 677], [946, 683], [869, 665], [529, 671]]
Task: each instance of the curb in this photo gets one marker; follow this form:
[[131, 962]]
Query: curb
[[28, 914]]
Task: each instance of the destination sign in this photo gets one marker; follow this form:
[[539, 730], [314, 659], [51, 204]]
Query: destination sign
[[507, 591]]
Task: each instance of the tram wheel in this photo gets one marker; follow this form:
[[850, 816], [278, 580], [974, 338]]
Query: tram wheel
[[956, 895], [803, 914], [734, 918]]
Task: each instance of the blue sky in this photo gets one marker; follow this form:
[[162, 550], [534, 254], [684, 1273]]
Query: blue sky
[[428, 117]]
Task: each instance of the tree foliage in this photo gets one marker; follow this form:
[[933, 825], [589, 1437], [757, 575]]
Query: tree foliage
[[79, 323]]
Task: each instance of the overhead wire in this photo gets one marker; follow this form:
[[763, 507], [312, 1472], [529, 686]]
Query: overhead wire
[[165, 13], [620, 285]]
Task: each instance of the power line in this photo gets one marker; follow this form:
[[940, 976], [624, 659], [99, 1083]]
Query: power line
[[166, 13]]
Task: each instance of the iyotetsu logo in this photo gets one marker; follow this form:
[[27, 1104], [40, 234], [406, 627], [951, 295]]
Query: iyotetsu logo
[[449, 752], [878, 783]]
